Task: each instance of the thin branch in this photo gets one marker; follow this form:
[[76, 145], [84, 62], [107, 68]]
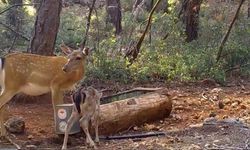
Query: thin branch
[[12, 142], [82, 44], [16, 5], [184, 4], [135, 50], [12, 30], [13, 43], [228, 31], [98, 30]]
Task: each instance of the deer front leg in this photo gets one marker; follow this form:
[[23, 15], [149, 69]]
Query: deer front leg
[[57, 98], [73, 118], [4, 98]]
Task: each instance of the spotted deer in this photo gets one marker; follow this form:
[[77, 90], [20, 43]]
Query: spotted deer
[[35, 75]]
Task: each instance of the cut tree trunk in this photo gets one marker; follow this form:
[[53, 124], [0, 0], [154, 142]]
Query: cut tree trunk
[[124, 114]]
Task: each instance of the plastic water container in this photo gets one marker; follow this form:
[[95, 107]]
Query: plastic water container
[[63, 113]]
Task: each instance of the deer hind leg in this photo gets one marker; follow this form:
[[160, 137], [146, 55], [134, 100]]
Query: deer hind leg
[[84, 121], [4, 98], [95, 122]]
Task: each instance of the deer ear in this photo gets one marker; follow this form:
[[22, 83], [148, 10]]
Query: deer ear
[[85, 51], [65, 49]]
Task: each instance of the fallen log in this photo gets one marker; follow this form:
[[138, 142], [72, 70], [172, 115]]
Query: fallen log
[[123, 114]]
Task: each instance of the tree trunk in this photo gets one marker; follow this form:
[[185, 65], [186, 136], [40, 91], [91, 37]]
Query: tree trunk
[[46, 27], [124, 114], [113, 8], [191, 18]]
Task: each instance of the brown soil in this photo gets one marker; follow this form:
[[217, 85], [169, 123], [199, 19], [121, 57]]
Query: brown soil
[[188, 127]]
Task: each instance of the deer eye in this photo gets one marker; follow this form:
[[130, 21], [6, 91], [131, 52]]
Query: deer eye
[[78, 58]]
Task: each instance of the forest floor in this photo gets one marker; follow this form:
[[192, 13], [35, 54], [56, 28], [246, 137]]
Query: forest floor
[[195, 121]]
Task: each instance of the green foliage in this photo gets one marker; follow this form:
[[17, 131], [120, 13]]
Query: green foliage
[[159, 59]]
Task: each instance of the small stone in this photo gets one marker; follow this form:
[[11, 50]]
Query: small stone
[[210, 120], [243, 106], [196, 117], [149, 127], [225, 117], [216, 141], [221, 105], [30, 137], [235, 104], [212, 114], [227, 101], [135, 128], [15, 125], [194, 147]]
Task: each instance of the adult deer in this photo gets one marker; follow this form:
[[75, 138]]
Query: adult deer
[[36, 75]]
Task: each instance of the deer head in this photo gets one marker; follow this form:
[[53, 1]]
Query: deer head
[[75, 57]]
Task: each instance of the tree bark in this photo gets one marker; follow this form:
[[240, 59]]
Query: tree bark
[[113, 8], [191, 18], [46, 27], [122, 115]]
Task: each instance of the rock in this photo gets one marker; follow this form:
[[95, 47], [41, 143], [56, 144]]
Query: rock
[[15, 125], [221, 105], [135, 128], [243, 106], [235, 104], [30, 137], [212, 114], [227, 101], [150, 127]]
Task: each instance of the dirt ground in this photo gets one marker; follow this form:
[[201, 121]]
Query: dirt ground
[[203, 117]]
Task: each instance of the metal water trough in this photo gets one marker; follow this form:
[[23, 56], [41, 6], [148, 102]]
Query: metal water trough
[[64, 110]]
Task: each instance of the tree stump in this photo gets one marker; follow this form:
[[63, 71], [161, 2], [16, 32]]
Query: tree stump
[[121, 115]]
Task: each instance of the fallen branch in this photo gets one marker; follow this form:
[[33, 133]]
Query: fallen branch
[[12, 142], [228, 31], [82, 44], [132, 136]]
